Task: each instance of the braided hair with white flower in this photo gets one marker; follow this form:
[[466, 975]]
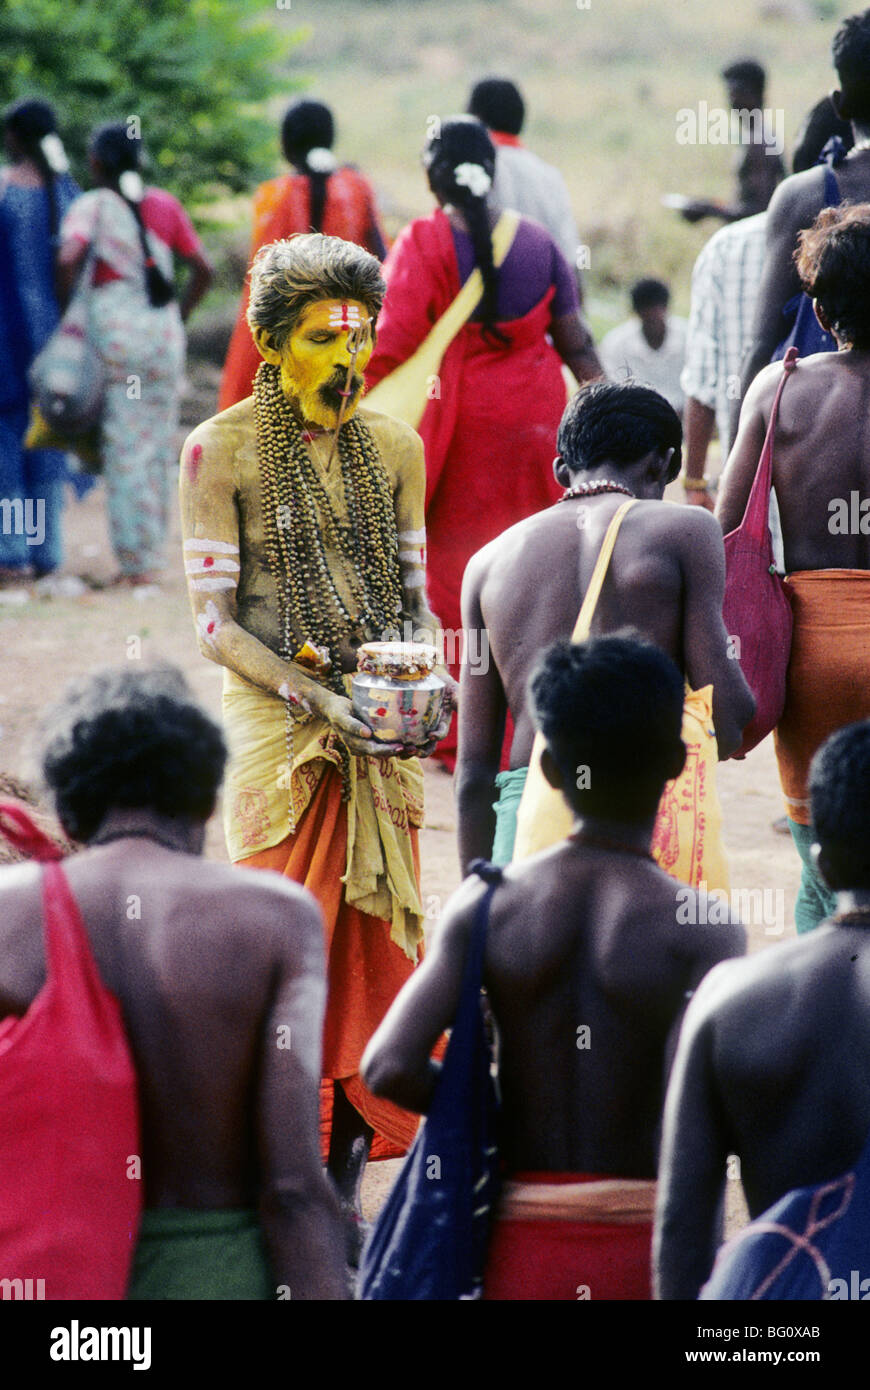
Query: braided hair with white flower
[[459, 160], [119, 153], [33, 126], [307, 135]]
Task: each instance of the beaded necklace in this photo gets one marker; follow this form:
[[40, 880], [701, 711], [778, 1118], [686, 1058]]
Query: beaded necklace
[[594, 489], [298, 517]]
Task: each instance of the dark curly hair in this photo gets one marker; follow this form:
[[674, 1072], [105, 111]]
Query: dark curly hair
[[839, 793], [851, 54], [288, 276], [130, 739], [613, 706], [833, 262], [618, 422]]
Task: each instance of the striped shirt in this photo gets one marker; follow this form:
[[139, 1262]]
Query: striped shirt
[[725, 284]]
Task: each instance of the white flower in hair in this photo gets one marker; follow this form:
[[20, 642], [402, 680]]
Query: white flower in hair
[[131, 186], [55, 154], [320, 160], [473, 177]]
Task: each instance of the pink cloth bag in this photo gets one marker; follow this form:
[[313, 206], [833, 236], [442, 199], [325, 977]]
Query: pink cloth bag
[[756, 607]]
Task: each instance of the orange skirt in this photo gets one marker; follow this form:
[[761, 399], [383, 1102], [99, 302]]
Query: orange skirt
[[365, 969], [828, 681]]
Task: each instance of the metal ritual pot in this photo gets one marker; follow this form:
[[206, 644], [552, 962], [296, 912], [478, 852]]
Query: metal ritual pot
[[395, 691]]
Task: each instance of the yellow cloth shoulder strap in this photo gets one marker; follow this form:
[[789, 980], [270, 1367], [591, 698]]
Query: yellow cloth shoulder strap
[[402, 394], [457, 314], [602, 564]]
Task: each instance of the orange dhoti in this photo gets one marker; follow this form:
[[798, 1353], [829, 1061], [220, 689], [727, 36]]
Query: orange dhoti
[[365, 969], [828, 681]]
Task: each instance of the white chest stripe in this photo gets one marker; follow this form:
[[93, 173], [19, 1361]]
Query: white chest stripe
[[212, 583], [219, 547]]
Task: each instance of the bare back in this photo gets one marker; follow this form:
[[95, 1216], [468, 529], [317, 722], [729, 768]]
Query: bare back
[[588, 968], [590, 958], [792, 1041], [821, 458], [532, 580], [207, 963]]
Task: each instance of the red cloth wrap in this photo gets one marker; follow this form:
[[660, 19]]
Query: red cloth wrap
[[69, 1123], [568, 1260]]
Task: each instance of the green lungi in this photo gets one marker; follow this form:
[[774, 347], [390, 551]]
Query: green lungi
[[510, 793], [815, 900], [185, 1254]]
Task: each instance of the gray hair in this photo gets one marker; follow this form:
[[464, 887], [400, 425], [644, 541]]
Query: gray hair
[[288, 276]]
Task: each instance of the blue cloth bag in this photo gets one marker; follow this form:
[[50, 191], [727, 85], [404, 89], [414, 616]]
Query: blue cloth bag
[[430, 1239]]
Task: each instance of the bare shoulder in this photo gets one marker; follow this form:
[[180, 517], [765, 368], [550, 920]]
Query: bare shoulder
[[489, 555], [266, 907], [459, 911], [676, 522], [509, 546], [757, 989], [18, 879], [706, 927], [796, 201], [223, 431], [399, 446]]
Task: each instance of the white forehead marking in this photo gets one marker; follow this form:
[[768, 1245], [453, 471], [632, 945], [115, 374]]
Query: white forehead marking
[[345, 316]]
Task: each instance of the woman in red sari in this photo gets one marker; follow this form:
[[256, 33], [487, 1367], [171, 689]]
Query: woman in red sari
[[490, 424], [321, 196]]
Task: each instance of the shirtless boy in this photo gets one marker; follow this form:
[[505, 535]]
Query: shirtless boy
[[588, 966]]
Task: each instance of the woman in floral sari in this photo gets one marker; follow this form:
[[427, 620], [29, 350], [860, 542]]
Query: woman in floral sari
[[137, 328]]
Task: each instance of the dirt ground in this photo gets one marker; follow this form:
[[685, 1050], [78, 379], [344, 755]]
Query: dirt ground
[[45, 641]]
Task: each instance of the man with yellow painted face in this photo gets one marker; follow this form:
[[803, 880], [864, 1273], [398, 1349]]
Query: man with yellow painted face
[[303, 523]]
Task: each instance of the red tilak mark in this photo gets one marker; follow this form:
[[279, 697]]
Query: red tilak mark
[[382, 711], [194, 459], [208, 561], [294, 699], [210, 626]]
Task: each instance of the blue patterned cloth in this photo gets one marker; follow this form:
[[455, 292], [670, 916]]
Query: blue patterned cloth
[[814, 1243], [28, 316]]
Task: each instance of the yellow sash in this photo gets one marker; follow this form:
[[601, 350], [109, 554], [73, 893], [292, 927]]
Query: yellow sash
[[687, 838], [402, 394], [263, 798]]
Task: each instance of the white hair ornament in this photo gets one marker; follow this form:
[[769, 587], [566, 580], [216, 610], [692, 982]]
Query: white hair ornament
[[473, 177], [55, 154], [131, 186], [320, 160]]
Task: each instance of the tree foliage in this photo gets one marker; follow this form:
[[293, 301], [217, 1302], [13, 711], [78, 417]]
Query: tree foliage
[[197, 74]]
